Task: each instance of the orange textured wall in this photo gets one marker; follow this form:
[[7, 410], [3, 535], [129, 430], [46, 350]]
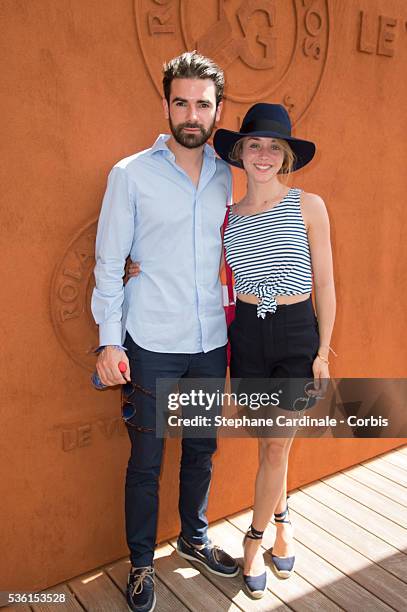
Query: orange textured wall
[[79, 92]]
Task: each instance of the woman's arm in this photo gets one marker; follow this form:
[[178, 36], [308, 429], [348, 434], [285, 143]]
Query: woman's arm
[[317, 223]]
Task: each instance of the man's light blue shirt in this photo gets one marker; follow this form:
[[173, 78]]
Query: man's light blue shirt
[[153, 211]]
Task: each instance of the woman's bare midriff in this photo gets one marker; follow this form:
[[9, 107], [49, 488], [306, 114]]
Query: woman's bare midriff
[[280, 299]]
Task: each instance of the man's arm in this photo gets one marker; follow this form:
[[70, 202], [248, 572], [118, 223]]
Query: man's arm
[[113, 243]]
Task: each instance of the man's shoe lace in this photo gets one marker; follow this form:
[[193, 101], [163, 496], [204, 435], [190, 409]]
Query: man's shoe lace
[[139, 579], [214, 549], [215, 552]]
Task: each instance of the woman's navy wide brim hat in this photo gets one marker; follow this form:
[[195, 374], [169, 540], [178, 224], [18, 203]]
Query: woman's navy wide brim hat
[[269, 121]]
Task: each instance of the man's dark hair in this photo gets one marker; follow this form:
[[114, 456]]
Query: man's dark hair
[[192, 65]]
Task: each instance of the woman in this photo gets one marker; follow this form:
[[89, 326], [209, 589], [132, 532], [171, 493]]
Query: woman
[[277, 243]]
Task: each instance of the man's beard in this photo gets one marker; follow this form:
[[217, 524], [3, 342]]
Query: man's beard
[[188, 140]]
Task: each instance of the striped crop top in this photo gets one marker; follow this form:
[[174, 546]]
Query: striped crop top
[[269, 252]]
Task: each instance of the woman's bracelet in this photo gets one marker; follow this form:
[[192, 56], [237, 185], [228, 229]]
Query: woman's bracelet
[[329, 349]]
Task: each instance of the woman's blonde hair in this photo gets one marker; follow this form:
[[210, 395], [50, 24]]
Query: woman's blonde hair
[[289, 155]]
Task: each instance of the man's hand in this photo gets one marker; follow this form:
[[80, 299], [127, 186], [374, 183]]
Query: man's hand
[[107, 366]]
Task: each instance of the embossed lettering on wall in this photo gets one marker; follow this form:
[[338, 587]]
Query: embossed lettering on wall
[[71, 291], [161, 17], [313, 23], [268, 47], [77, 436], [377, 34]]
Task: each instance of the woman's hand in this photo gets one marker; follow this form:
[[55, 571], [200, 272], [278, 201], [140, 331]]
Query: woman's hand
[[320, 370], [133, 269]]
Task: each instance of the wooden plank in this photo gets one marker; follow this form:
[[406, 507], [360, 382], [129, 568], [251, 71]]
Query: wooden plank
[[4, 598], [96, 591], [22, 608], [191, 587], [392, 472], [357, 513], [378, 483], [375, 579], [335, 584], [366, 496], [402, 449], [166, 600], [230, 539], [69, 604], [296, 592], [396, 458], [331, 520]]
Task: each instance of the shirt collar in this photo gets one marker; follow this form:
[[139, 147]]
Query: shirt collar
[[161, 145]]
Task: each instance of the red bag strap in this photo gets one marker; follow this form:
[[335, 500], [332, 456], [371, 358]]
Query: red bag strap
[[228, 269]]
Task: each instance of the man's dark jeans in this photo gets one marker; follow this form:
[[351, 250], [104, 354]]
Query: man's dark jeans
[[144, 465]]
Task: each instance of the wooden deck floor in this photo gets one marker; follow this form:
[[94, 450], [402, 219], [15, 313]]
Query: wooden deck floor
[[351, 548]]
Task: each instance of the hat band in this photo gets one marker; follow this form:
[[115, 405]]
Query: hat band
[[265, 125]]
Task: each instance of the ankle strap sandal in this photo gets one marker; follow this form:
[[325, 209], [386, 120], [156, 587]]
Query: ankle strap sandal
[[254, 534], [282, 566], [282, 517], [255, 585]]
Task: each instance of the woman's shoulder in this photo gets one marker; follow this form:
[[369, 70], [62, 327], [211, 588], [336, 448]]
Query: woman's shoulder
[[312, 200], [312, 203], [312, 207]]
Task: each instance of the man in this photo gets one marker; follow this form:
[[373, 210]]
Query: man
[[165, 207]]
